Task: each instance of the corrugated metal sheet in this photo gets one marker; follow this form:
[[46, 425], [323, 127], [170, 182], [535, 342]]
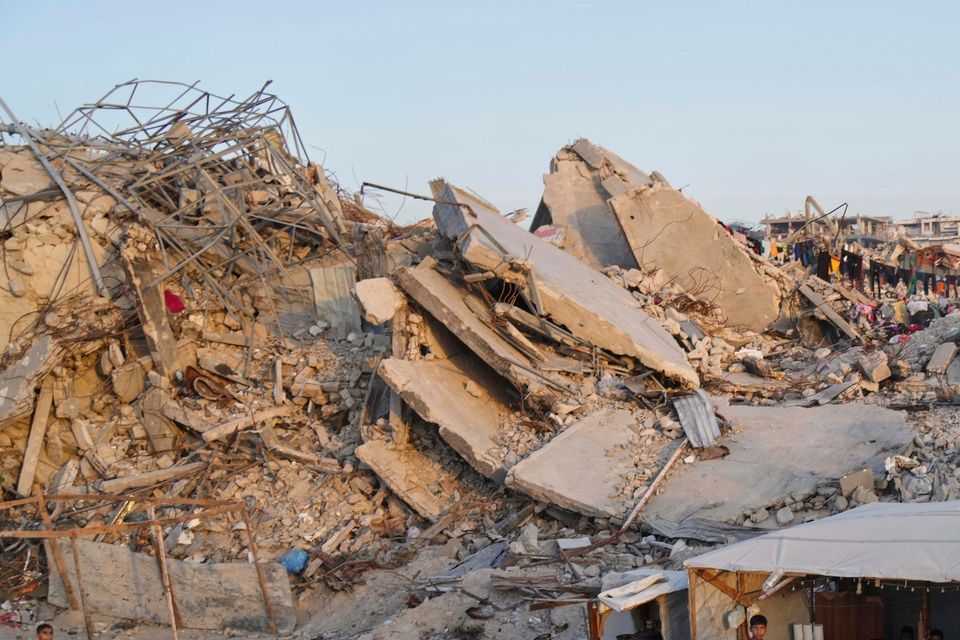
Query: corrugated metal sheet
[[697, 418], [333, 297]]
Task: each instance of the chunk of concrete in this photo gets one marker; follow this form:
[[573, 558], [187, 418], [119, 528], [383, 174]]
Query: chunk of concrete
[[440, 392], [875, 366], [666, 230], [942, 357], [125, 584], [572, 294], [581, 468], [379, 298], [129, 381], [575, 200], [849, 482], [777, 451], [414, 477]]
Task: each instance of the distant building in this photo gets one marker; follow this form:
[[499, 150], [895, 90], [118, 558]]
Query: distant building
[[866, 230], [929, 228]]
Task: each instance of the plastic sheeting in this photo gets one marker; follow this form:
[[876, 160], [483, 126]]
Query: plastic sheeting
[[624, 591], [880, 540]]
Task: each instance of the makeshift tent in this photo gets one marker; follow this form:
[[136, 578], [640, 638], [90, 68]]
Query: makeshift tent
[[913, 543]]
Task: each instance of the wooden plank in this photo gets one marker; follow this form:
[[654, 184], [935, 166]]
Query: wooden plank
[[119, 485], [829, 312], [38, 431], [160, 434], [153, 314]]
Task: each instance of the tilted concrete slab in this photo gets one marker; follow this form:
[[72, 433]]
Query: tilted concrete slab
[[581, 468], [583, 300], [441, 299], [575, 198], [776, 451], [416, 478], [467, 401], [666, 230]]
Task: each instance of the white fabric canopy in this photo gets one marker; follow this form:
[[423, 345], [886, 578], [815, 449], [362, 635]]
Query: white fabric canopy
[[625, 591], [916, 541]]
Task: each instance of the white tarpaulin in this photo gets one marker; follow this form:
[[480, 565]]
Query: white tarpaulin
[[624, 591], [919, 541]]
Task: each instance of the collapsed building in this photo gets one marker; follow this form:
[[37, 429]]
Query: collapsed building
[[224, 374]]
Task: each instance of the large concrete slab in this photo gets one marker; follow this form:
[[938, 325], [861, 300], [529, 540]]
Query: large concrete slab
[[467, 401], [666, 230], [448, 304], [572, 294], [121, 583], [581, 468], [575, 199], [776, 451]]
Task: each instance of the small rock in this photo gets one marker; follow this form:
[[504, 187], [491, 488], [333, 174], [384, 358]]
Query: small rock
[[759, 516], [784, 516]]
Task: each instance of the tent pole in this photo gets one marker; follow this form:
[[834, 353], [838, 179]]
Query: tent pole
[[692, 601]]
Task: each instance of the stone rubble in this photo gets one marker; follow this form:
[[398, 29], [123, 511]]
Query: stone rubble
[[387, 400]]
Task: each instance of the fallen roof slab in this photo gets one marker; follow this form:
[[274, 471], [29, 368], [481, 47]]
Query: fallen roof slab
[[776, 451], [464, 399], [666, 230], [583, 300], [207, 596], [581, 468]]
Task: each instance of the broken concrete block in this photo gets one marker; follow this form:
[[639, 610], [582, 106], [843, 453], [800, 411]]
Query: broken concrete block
[[576, 202], [575, 296], [208, 596], [410, 474], [580, 468], [152, 312], [850, 481], [875, 366], [784, 516], [128, 381], [942, 358], [379, 298]]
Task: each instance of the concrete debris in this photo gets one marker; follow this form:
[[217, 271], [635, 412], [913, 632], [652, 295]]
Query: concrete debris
[[570, 293], [213, 362], [379, 298], [615, 214]]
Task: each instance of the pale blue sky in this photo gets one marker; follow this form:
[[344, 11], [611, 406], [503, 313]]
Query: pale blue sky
[[754, 105]]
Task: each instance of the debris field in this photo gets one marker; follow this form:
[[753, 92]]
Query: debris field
[[236, 400]]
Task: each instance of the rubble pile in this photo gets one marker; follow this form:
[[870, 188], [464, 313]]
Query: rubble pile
[[214, 356]]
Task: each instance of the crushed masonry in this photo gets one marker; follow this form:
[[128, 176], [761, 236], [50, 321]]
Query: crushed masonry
[[232, 396]]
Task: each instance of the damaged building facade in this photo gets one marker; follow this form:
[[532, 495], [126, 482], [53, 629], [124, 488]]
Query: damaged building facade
[[233, 397]]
